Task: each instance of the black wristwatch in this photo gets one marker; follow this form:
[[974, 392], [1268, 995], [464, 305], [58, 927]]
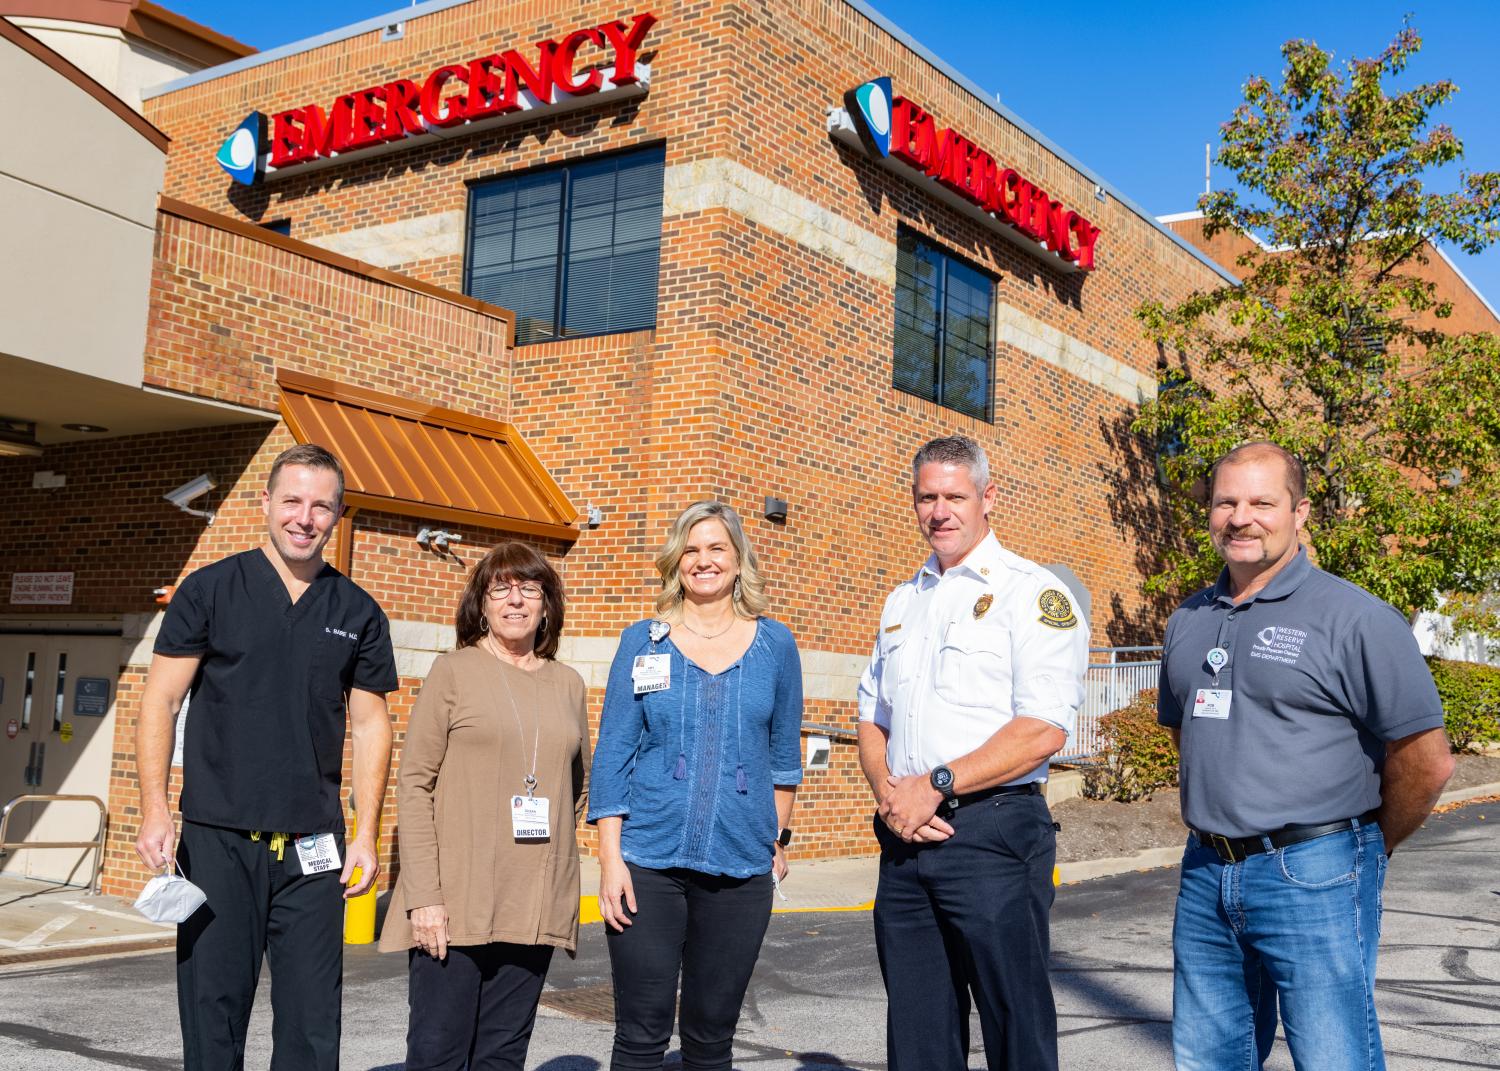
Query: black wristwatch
[[942, 780], [784, 837]]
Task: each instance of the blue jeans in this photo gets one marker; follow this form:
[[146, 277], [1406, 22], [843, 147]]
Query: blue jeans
[[1298, 925]]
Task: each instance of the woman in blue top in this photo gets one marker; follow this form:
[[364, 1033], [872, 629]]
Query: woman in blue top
[[698, 761]]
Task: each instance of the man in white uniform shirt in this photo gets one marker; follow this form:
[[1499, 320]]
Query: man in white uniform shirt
[[974, 685]]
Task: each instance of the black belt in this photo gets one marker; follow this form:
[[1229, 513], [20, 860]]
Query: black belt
[[1236, 849], [1030, 788]]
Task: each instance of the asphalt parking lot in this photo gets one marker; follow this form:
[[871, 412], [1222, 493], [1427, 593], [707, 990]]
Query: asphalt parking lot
[[816, 1001]]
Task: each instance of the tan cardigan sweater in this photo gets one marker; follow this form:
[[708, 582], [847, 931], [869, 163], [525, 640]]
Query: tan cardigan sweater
[[463, 760]]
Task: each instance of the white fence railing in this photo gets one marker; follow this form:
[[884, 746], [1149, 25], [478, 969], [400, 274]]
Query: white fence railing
[[1115, 676]]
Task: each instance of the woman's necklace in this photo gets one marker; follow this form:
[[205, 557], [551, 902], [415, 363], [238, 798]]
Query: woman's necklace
[[709, 636], [536, 742]]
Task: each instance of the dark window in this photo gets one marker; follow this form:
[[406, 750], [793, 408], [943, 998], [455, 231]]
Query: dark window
[[279, 226], [943, 344], [573, 251]]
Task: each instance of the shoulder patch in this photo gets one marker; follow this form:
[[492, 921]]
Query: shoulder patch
[[1057, 611]]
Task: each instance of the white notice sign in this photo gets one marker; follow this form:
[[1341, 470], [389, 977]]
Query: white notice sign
[[41, 589]]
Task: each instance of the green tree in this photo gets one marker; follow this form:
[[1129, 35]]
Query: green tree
[[1332, 346]]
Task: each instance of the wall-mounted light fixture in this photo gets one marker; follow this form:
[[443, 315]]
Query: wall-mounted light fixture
[[181, 496], [819, 750], [775, 509], [595, 516], [437, 539]]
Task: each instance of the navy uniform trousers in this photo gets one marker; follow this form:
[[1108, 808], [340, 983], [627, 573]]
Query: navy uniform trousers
[[964, 916], [258, 907]]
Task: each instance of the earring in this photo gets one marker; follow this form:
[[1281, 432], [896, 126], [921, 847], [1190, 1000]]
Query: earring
[[484, 624], [736, 589]]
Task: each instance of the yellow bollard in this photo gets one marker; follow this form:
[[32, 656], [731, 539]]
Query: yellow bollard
[[359, 911]]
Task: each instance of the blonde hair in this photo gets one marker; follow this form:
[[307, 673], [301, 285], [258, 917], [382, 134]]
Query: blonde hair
[[750, 596]]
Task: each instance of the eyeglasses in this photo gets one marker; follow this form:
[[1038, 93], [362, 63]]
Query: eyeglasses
[[529, 590]]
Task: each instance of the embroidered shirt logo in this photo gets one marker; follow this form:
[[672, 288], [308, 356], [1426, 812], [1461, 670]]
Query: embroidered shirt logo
[[1279, 643], [340, 632], [1057, 611]]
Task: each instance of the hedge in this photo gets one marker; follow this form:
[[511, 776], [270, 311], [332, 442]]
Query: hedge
[[1470, 693], [1136, 754]]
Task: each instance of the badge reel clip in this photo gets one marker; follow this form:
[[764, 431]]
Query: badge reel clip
[[170, 897]]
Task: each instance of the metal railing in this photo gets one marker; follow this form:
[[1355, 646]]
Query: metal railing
[[1110, 683], [6, 846]]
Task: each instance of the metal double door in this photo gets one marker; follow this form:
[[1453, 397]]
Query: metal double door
[[57, 712]]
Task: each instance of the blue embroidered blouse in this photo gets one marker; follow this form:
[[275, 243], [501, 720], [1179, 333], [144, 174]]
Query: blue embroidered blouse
[[691, 768]]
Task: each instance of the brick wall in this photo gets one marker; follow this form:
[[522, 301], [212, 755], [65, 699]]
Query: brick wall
[[769, 368]]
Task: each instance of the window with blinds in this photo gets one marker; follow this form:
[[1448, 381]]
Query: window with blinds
[[573, 251], [944, 350]]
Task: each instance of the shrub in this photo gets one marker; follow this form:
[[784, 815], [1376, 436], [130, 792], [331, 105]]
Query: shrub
[[1471, 702], [1136, 755]]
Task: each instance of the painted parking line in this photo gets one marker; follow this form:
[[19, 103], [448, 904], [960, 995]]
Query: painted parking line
[[35, 938]]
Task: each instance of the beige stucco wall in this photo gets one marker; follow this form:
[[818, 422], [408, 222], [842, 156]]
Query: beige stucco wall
[[78, 189], [120, 64]]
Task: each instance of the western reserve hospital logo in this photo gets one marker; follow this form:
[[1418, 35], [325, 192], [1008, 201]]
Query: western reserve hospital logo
[[873, 103], [240, 154], [1278, 643]]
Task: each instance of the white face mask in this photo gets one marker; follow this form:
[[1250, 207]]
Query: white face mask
[[169, 898]]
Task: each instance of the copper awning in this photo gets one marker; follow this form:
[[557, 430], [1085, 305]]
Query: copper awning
[[425, 461]]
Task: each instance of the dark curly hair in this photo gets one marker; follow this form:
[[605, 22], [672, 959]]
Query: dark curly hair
[[512, 562]]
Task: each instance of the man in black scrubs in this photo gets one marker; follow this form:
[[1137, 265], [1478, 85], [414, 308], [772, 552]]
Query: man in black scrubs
[[271, 643]]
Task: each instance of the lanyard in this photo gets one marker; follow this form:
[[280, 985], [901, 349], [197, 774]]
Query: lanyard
[[536, 740]]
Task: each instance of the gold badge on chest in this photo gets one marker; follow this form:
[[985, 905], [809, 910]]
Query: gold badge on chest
[[982, 605]]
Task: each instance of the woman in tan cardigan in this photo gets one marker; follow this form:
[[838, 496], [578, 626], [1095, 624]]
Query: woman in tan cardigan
[[491, 786]]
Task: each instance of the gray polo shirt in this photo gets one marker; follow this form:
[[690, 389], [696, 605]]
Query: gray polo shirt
[[1321, 674]]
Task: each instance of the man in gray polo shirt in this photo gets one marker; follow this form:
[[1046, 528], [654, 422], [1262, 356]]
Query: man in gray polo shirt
[[1312, 744]]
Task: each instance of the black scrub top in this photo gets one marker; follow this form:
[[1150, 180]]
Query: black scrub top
[[264, 744]]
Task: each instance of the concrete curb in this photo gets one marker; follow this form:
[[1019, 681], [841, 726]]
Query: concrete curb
[[856, 891], [1473, 792], [1151, 858]]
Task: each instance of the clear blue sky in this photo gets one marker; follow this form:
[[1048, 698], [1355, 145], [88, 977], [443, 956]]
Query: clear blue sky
[[1132, 90]]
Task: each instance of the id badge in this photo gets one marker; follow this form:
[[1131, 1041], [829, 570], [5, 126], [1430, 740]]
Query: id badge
[[318, 853], [651, 673], [529, 817], [1212, 703]]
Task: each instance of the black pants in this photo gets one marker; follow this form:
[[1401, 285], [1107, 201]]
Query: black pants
[[710, 928], [474, 1009], [258, 906], [969, 915]]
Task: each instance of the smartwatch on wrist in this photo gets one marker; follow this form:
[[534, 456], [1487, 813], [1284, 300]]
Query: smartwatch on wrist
[[784, 837], [942, 780]]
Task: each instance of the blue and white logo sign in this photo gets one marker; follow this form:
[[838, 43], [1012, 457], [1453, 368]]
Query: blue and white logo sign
[[872, 103], [240, 154]]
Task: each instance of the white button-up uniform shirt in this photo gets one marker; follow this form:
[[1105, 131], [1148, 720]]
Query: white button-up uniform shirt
[[960, 653]]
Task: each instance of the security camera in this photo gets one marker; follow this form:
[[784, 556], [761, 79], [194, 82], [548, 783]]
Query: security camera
[[181, 496]]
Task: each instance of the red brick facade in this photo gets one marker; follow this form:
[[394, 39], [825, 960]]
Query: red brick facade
[[769, 370]]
